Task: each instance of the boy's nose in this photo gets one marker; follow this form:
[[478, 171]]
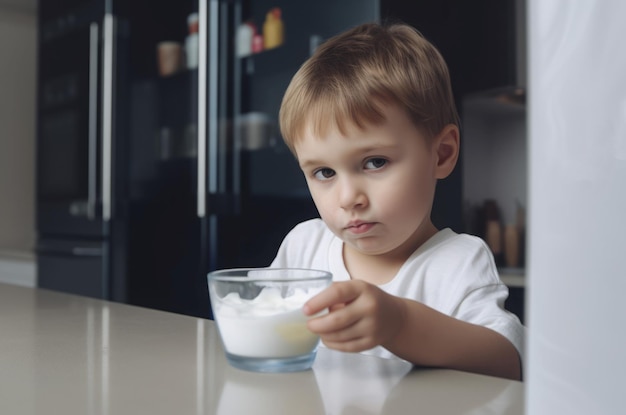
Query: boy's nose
[[351, 194]]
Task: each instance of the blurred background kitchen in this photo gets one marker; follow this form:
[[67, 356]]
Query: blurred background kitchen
[[139, 146]]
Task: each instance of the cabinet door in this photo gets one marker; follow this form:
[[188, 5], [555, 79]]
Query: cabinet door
[[481, 40]]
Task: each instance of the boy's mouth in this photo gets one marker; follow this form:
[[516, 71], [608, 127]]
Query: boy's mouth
[[359, 227]]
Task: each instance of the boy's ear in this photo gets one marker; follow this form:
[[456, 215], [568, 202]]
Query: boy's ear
[[447, 145]]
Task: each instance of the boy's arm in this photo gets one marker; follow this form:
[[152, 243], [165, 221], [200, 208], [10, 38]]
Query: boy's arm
[[363, 316], [428, 337]]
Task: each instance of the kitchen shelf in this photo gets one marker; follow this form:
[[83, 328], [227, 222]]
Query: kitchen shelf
[[513, 277]]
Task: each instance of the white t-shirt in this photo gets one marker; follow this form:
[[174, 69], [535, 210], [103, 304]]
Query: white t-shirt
[[452, 273]]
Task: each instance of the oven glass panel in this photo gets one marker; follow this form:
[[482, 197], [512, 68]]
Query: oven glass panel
[[64, 145]]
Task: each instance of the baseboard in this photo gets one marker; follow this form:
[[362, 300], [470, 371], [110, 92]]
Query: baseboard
[[18, 269]]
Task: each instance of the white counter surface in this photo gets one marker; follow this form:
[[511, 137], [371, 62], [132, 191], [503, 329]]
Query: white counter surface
[[63, 354]]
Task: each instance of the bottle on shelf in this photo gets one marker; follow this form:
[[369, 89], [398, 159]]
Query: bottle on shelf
[[191, 41], [257, 40], [245, 33], [273, 29]]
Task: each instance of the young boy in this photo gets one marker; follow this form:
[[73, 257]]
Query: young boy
[[371, 120]]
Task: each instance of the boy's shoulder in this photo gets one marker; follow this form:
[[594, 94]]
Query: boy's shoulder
[[455, 255], [451, 251], [448, 240]]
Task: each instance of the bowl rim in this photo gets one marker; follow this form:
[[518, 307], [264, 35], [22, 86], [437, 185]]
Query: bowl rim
[[222, 274]]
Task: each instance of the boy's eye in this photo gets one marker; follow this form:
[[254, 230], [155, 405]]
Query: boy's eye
[[324, 173], [375, 163]]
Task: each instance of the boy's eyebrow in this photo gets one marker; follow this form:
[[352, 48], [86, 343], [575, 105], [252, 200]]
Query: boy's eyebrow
[[308, 163]]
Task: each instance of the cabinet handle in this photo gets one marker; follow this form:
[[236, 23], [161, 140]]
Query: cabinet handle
[[202, 109], [93, 122], [207, 103], [213, 88], [107, 114], [86, 251]]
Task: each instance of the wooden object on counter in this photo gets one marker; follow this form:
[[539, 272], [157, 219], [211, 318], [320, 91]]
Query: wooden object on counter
[[511, 246], [493, 236]]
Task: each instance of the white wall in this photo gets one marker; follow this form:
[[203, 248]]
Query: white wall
[[17, 127], [577, 216]]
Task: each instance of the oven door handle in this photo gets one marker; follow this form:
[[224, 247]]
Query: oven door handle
[[92, 174], [108, 85]]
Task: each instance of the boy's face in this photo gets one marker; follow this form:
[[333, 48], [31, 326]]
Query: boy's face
[[374, 188]]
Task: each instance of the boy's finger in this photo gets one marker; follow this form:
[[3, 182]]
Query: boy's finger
[[336, 294], [335, 324]]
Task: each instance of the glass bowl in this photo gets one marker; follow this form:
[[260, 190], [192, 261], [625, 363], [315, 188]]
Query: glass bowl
[[259, 316]]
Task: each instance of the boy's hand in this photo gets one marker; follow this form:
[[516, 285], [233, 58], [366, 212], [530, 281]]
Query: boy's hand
[[361, 316]]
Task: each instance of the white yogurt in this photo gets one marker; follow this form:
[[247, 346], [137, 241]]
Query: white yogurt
[[269, 326]]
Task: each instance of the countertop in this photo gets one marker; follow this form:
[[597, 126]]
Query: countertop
[[65, 354]]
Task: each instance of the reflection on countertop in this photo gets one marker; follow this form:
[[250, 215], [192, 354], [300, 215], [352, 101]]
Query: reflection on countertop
[[67, 354]]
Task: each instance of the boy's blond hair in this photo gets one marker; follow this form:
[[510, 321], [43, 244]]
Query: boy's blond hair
[[353, 76]]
